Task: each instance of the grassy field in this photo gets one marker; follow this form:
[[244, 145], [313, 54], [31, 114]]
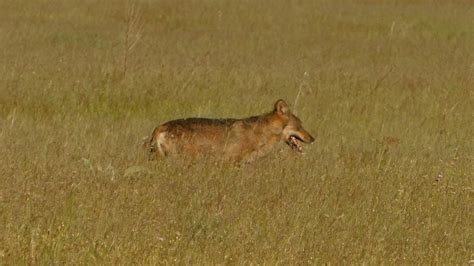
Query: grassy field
[[387, 87]]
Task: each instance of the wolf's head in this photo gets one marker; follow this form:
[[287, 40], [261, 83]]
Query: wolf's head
[[293, 131]]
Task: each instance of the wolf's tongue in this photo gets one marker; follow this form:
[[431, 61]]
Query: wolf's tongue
[[295, 144]]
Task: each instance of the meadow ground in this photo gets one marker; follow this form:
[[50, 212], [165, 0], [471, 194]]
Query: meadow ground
[[386, 86]]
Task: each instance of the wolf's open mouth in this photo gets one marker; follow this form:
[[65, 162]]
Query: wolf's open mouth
[[295, 143]]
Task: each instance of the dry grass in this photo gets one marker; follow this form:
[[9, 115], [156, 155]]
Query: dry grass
[[388, 91]]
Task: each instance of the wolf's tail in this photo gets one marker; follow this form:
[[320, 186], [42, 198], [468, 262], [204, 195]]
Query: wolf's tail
[[151, 145]]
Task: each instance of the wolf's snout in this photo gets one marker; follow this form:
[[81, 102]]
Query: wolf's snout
[[306, 137]]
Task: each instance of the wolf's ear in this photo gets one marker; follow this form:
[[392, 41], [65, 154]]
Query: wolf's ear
[[281, 107]]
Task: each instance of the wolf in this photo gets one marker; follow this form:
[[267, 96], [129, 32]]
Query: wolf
[[237, 140]]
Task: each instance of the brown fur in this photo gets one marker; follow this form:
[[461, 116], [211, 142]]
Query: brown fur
[[230, 139]]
